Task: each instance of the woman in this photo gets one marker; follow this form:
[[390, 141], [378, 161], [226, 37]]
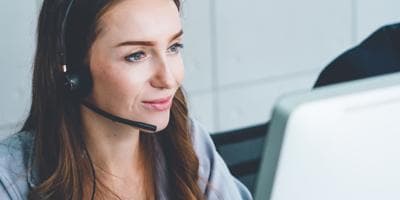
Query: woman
[[107, 76]]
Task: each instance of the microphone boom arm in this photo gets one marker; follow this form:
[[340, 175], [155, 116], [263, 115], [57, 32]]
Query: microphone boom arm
[[136, 124]]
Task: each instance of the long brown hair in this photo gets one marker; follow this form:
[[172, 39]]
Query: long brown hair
[[55, 121]]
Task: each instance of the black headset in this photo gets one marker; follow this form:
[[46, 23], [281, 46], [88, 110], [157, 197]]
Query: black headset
[[78, 82]]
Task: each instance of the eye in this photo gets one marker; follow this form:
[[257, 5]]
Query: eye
[[175, 48], [136, 57]]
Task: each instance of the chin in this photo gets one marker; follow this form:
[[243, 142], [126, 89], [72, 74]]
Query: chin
[[161, 121]]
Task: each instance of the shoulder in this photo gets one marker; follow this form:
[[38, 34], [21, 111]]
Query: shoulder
[[215, 178], [15, 153], [204, 148], [382, 39], [378, 54], [202, 142], [16, 148]]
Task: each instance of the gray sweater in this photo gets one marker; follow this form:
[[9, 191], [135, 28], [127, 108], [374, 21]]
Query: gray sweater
[[17, 176]]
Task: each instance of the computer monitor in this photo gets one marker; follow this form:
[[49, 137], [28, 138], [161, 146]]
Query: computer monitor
[[340, 142]]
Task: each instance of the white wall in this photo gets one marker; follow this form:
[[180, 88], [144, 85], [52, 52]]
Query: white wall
[[239, 55], [261, 49], [17, 22]]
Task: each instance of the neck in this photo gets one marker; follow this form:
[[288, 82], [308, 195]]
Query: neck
[[114, 147], [117, 155]]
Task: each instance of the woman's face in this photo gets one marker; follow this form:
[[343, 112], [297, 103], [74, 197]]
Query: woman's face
[[135, 60]]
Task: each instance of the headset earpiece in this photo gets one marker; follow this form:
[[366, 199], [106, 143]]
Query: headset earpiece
[[78, 82], [72, 82]]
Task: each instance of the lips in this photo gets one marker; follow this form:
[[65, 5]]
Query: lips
[[161, 104]]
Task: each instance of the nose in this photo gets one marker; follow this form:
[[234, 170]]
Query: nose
[[163, 77]]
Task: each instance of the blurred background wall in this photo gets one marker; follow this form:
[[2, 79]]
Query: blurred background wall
[[239, 55]]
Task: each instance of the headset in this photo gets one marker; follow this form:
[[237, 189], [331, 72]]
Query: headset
[[79, 84]]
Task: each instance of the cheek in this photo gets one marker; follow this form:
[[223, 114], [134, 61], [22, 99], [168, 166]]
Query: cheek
[[128, 83], [105, 86], [117, 84]]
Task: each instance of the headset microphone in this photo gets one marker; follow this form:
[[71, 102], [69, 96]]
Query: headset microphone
[[78, 82], [140, 125]]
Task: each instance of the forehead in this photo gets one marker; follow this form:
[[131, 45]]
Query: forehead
[[140, 20]]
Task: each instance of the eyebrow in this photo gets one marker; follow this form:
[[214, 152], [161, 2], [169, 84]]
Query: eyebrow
[[148, 43]]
